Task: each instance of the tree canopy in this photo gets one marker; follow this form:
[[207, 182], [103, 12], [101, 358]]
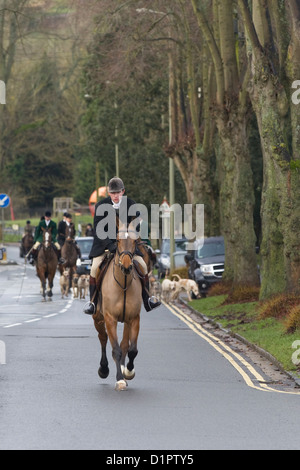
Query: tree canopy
[[210, 84]]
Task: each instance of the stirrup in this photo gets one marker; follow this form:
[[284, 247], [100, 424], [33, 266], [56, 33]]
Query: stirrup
[[87, 310], [153, 302]]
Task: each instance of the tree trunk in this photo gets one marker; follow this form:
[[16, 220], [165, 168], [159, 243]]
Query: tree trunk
[[280, 209], [237, 200]]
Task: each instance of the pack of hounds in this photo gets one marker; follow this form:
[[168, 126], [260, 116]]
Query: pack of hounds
[[169, 289], [79, 285]]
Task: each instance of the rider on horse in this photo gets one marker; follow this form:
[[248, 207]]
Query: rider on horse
[[28, 229], [46, 224], [102, 247], [61, 231]]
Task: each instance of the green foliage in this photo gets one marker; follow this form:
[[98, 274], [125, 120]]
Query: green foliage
[[135, 108], [241, 318], [41, 165]]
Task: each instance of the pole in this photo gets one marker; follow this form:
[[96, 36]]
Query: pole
[[171, 164], [97, 181], [117, 146]]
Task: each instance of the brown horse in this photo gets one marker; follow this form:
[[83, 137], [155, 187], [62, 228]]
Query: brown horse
[[46, 264], [69, 253], [121, 302], [27, 243]]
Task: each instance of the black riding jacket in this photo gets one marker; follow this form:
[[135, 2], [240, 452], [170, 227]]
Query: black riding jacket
[[100, 245]]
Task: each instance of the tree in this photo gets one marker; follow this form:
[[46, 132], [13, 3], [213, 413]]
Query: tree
[[126, 87], [274, 48], [39, 164], [231, 112]]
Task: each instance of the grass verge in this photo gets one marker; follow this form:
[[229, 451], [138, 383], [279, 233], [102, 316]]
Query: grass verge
[[244, 319]]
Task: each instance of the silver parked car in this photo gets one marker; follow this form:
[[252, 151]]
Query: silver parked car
[[85, 263]]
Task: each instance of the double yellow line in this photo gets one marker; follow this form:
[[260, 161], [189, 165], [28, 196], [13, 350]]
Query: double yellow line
[[245, 369]]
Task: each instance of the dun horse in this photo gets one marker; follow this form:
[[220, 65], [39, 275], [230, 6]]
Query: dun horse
[[120, 301], [46, 264]]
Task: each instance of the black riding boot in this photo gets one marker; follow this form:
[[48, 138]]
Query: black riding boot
[[149, 302], [91, 307], [33, 256]]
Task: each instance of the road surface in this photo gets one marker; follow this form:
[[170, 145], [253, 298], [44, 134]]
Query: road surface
[[192, 390]]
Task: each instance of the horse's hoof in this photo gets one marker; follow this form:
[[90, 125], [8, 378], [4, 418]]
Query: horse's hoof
[[128, 374], [103, 373], [121, 385]]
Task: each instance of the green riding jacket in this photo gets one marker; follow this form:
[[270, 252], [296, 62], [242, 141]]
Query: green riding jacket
[[38, 236]]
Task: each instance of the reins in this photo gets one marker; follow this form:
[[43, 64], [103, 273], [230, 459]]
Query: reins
[[120, 266]]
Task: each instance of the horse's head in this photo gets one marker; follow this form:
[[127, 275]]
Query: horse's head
[[126, 245], [70, 233], [47, 239]]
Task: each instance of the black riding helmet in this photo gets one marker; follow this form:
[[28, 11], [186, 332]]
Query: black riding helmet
[[115, 185]]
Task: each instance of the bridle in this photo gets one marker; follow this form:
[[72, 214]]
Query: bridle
[[122, 254], [47, 239]]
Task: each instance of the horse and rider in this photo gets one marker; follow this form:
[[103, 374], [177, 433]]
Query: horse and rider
[[27, 238], [46, 224], [103, 247], [66, 231], [118, 281]]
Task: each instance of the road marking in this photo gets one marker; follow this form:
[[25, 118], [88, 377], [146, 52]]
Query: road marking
[[70, 302], [212, 340], [14, 324]]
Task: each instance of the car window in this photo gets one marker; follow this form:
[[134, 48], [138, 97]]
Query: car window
[[211, 249], [85, 245], [180, 245]]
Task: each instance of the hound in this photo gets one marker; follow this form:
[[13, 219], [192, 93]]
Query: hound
[[168, 288], [64, 283], [75, 279], [83, 285], [188, 285]]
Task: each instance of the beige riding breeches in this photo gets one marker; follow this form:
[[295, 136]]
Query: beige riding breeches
[[98, 260], [37, 244]]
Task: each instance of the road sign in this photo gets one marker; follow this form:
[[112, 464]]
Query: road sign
[[4, 200]]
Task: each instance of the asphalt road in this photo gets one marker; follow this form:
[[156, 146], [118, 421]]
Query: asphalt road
[[192, 391]]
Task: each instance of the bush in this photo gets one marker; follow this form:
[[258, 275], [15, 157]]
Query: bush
[[293, 320], [220, 288], [242, 293], [182, 272], [278, 306]]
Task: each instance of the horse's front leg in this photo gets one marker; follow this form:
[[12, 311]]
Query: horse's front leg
[[111, 326], [134, 329], [43, 285], [50, 287], [103, 371], [124, 346]]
